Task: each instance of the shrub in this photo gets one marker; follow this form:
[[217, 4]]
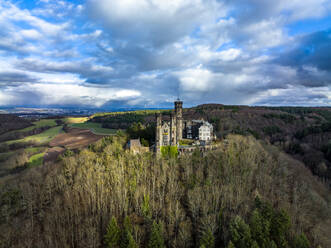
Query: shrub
[[169, 151]]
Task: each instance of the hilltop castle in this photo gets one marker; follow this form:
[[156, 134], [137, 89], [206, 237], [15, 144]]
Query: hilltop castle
[[169, 133]]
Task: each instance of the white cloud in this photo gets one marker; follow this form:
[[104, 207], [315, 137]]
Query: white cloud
[[30, 34], [197, 79], [154, 22], [64, 94]]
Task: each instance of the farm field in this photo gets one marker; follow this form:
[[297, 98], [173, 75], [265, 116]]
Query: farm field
[[34, 150], [75, 138], [36, 160], [96, 128], [41, 138], [40, 123], [72, 120]]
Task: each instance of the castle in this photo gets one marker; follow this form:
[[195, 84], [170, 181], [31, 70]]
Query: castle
[[169, 133]]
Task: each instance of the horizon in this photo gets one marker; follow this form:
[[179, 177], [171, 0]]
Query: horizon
[[124, 54]]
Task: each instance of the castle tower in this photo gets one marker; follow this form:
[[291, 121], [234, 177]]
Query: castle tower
[[158, 136], [179, 120], [173, 128]]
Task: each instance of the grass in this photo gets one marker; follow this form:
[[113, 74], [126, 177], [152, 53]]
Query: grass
[[40, 123], [36, 160], [41, 138], [96, 128], [46, 136], [73, 120], [34, 150]]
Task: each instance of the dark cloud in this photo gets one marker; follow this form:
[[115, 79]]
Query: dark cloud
[[312, 49], [297, 97], [12, 78]]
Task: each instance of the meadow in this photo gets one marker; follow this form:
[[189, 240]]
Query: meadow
[[96, 128], [38, 124], [41, 138], [36, 160]]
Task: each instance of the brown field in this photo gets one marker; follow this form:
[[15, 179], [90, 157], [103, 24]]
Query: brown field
[[75, 138]]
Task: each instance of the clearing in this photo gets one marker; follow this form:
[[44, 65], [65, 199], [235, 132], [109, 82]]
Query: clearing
[[40, 123], [41, 138], [72, 120], [96, 128], [75, 138], [36, 160]]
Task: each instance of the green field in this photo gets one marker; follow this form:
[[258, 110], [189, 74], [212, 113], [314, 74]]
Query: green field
[[72, 120], [96, 128], [41, 138], [41, 123], [36, 160], [34, 150]]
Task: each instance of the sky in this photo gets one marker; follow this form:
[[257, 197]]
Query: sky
[[146, 53]]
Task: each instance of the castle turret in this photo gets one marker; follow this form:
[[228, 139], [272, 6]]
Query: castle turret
[[173, 132], [158, 136], [179, 120], [179, 108]]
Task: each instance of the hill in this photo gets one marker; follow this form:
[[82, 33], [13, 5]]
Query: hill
[[12, 122], [245, 194]]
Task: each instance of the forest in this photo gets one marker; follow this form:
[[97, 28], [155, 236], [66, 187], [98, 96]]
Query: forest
[[247, 193]]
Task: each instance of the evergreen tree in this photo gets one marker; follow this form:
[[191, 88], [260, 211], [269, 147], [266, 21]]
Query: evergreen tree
[[280, 228], [113, 234], [131, 242], [240, 233], [301, 241], [255, 245], [127, 240], [230, 245], [156, 238], [207, 240], [272, 244], [260, 229]]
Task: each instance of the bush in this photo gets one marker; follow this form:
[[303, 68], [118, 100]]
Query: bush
[[169, 151]]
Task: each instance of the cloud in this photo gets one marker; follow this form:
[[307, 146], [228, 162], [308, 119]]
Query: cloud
[[312, 49], [296, 96], [87, 68], [147, 52], [45, 94], [152, 22], [11, 78]]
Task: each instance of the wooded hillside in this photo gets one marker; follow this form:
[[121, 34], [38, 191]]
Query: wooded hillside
[[246, 194]]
